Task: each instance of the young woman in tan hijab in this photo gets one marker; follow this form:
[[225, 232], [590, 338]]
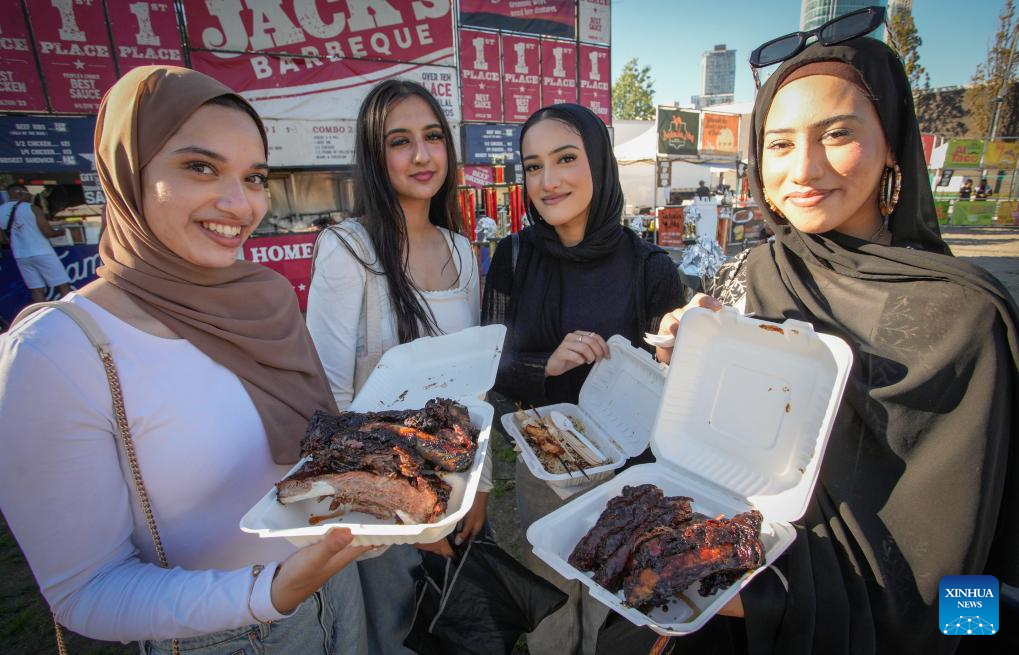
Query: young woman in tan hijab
[[219, 378]]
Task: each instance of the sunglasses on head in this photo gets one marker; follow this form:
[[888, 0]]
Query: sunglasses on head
[[843, 28]]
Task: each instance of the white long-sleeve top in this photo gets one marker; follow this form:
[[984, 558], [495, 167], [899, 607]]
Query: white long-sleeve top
[[68, 498], [336, 312]]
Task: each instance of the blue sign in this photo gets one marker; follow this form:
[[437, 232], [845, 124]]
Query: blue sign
[[80, 262], [43, 144], [491, 144], [968, 605]]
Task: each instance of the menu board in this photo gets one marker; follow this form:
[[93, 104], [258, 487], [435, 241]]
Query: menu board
[[491, 144], [33, 144]]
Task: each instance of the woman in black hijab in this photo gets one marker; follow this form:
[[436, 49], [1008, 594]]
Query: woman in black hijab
[[919, 477], [563, 286]]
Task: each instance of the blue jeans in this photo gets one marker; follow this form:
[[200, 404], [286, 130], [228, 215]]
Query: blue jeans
[[330, 622]]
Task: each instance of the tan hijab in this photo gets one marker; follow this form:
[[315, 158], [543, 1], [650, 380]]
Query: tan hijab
[[244, 316]]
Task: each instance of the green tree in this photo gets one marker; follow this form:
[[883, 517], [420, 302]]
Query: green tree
[[903, 37], [633, 93], [993, 74]]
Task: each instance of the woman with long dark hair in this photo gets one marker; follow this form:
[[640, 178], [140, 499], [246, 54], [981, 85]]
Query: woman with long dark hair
[[919, 476], [401, 270], [562, 287]]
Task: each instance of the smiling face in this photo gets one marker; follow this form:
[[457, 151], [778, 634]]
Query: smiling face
[[415, 148], [557, 175], [823, 154], [203, 194]]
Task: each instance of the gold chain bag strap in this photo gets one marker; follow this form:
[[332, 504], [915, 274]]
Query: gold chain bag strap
[[95, 335]]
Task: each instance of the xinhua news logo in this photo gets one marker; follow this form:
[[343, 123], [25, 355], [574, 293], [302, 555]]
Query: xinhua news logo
[[969, 605]]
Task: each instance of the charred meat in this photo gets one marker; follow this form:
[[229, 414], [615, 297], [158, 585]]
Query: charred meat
[[384, 463]]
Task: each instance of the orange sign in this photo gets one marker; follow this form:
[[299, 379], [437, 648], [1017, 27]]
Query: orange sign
[[720, 133]]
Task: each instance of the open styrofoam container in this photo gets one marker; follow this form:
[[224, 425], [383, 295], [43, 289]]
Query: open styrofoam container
[[461, 366], [616, 409], [746, 412]]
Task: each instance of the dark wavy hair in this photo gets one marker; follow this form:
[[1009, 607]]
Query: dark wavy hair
[[379, 208]]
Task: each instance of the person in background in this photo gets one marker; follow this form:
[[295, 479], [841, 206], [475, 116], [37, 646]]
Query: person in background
[[966, 190], [983, 190], [219, 380], [27, 232], [920, 477], [562, 287], [402, 270], [702, 190]]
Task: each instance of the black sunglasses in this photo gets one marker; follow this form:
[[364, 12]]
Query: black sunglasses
[[843, 28]]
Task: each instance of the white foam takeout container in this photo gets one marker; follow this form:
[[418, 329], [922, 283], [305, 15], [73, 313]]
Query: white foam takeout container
[[616, 408], [745, 415], [461, 366]]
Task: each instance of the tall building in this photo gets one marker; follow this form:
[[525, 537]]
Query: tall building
[[718, 77], [816, 12]]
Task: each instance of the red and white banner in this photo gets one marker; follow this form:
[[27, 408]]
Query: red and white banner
[[558, 72], [548, 17], [479, 176], [480, 81], [521, 89], [19, 78], [595, 79], [344, 49], [144, 32], [595, 21], [288, 255], [74, 50]]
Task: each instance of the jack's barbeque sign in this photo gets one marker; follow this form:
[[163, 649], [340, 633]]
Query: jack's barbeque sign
[[312, 59]]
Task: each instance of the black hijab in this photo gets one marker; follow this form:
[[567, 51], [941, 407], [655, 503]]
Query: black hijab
[[919, 478], [537, 281]]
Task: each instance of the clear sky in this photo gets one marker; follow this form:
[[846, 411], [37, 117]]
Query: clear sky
[[670, 35]]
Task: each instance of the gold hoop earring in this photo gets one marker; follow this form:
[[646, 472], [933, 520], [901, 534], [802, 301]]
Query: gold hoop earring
[[891, 186]]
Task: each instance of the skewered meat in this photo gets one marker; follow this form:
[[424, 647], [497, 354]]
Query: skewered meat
[[384, 463], [673, 559]]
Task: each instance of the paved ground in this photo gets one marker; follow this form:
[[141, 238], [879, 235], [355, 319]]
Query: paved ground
[[25, 625]]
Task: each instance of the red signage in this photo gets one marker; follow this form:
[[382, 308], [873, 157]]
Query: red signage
[[670, 226], [144, 32], [928, 146], [479, 176], [549, 17], [288, 255], [558, 72], [480, 81], [19, 78], [345, 48], [595, 77], [74, 49], [521, 90]]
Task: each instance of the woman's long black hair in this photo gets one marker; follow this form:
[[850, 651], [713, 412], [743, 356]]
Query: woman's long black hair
[[379, 208]]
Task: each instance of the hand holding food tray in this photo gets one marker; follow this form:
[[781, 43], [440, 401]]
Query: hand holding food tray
[[441, 378], [745, 414]]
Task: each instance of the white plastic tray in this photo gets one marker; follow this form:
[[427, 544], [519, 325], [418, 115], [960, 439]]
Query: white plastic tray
[[747, 410], [461, 366], [617, 408]]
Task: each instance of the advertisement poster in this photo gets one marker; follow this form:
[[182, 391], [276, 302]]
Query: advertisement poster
[[719, 133], [74, 50], [595, 81], [80, 262], [548, 17], [521, 88], [1001, 154], [19, 78], [677, 131], [558, 72], [491, 144], [963, 153], [42, 144], [480, 79], [670, 227], [144, 32], [408, 40], [479, 176], [289, 255], [595, 21], [310, 143]]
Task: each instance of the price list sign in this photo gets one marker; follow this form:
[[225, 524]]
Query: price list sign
[[32, 144], [491, 144]]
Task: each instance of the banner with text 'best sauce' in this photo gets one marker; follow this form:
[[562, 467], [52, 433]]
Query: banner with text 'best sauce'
[[74, 51], [480, 79], [521, 89], [19, 78], [558, 72], [317, 59], [595, 81]]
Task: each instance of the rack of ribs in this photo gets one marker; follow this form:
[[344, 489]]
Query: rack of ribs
[[384, 463]]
